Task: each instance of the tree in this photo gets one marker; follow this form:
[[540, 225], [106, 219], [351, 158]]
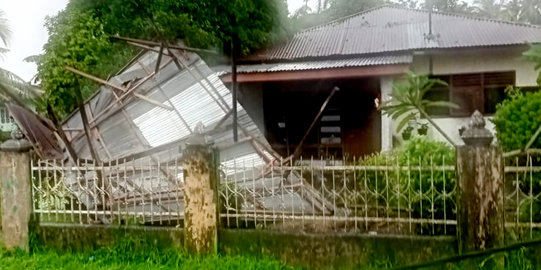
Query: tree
[[79, 36], [4, 32], [408, 103], [12, 87]]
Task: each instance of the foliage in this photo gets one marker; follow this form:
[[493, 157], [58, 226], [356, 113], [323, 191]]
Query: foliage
[[534, 55], [517, 119], [408, 103], [419, 151], [79, 36], [130, 254], [5, 32]]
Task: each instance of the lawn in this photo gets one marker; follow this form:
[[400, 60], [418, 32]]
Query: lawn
[[122, 258]]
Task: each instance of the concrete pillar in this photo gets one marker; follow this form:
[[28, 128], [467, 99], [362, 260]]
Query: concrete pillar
[[200, 195], [480, 198], [15, 192], [386, 89]]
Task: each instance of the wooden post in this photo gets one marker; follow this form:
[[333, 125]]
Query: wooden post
[[480, 197], [15, 192], [200, 195]]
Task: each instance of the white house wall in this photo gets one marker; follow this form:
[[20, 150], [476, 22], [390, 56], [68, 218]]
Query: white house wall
[[469, 62]]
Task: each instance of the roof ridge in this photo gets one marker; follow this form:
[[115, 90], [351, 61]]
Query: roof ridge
[[344, 18], [445, 13]]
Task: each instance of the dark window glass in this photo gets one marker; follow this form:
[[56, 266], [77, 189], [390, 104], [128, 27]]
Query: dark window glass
[[493, 96]]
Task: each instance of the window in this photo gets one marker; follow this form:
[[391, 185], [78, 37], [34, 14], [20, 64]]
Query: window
[[477, 91]]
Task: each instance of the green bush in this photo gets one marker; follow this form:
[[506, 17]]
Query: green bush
[[414, 190], [517, 119]]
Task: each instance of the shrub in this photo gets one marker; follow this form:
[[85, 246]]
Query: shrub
[[517, 119], [418, 189]]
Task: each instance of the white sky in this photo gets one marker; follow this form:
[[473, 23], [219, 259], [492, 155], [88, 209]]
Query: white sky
[[26, 19]]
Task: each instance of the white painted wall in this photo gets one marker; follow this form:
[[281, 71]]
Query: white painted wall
[[469, 61], [387, 129], [472, 61]]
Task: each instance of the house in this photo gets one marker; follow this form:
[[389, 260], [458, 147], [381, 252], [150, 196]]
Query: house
[[6, 122], [284, 86]]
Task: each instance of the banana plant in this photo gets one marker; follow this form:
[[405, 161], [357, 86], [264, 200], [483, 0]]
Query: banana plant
[[407, 101]]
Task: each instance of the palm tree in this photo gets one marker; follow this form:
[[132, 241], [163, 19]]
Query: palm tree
[[12, 87], [4, 32]]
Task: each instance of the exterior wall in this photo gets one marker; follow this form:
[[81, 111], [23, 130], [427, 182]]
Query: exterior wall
[[472, 61], [6, 124], [251, 98], [386, 88]]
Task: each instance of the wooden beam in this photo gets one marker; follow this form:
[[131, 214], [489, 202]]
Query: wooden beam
[[320, 74], [104, 82], [157, 44]]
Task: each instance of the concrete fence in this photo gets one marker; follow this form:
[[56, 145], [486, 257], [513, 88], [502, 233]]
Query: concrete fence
[[480, 217]]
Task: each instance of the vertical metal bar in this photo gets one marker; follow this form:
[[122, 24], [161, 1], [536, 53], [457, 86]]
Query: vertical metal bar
[[32, 173], [323, 191], [410, 209], [244, 188], [160, 189], [97, 190], [333, 192], [254, 199], [177, 189], [421, 194], [135, 189], [103, 190], [387, 198], [517, 202], [169, 190], [79, 170], [126, 194], [366, 198], [302, 194], [377, 200], [152, 193], [530, 195], [313, 188], [346, 191], [444, 196], [56, 197], [282, 184], [399, 194], [273, 195], [432, 210], [355, 191], [47, 173], [236, 194]]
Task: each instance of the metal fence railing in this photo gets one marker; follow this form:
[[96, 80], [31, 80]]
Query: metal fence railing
[[142, 191], [523, 192], [322, 196]]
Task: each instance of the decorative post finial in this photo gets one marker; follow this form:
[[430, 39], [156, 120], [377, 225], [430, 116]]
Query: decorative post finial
[[198, 137], [476, 134]]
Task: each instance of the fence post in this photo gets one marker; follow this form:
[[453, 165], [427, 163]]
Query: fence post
[[480, 198], [200, 195], [15, 192]]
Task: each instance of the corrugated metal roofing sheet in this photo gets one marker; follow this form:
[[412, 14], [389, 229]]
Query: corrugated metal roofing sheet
[[392, 29], [314, 65]]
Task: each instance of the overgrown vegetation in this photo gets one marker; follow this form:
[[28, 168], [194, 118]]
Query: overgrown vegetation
[[129, 254], [424, 188], [79, 36], [517, 118]]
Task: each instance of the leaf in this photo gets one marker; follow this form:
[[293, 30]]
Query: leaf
[[404, 121], [442, 104]]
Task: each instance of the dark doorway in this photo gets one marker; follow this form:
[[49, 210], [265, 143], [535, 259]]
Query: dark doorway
[[349, 126]]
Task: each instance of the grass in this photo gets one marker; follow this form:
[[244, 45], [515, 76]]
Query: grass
[[128, 256]]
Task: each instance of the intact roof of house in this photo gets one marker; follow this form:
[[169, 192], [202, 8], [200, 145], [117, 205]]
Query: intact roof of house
[[360, 61], [392, 29]]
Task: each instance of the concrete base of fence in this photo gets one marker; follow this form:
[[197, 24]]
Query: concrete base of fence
[[15, 199], [313, 251]]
